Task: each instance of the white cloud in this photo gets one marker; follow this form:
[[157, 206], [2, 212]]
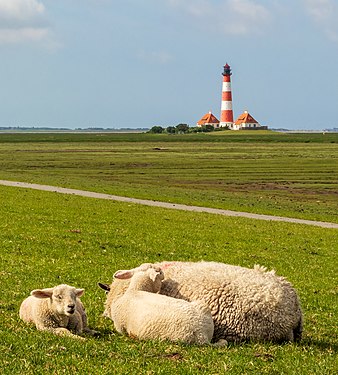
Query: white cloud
[[247, 16], [21, 9], [236, 17], [325, 14], [22, 21]]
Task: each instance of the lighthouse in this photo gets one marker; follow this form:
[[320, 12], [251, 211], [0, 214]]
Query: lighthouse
[[227, 117]]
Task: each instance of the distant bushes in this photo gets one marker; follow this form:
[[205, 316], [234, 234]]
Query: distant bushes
[[182, 129]]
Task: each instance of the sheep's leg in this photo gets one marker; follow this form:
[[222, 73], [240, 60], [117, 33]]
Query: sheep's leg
[[65, 332], [83, 316], [90, 332], [220, 343], [75, 323], [58, 331]]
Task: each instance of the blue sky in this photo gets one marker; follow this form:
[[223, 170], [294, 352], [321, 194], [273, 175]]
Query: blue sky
[[140, 63]]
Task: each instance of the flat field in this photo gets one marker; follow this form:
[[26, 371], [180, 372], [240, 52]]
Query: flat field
[[293, 175], [48, 239]]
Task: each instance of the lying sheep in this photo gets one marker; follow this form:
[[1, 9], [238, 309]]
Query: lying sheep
[[58, 310], [141, 313], [246, 304]]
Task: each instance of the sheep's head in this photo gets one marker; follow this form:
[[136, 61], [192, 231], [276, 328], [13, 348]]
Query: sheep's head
[[149, 279], [62, 297], [128, 274], [156, 276], [122, 280]]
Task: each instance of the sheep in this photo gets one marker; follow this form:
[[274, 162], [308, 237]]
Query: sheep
[[143, 314], [57, 310], [246, 304]]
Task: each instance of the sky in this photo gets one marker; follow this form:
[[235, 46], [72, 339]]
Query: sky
[[141, 63]]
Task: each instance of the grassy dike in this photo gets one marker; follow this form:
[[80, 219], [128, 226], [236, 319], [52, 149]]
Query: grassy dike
[[49, 238]]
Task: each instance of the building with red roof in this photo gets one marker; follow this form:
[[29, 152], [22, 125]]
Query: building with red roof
[[208, 119], [246, 121]]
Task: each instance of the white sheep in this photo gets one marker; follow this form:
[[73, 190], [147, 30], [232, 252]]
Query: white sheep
[[143, 314], [58, 310], [246, 304]]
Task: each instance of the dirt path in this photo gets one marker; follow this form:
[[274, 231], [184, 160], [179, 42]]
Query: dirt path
[[182, 207]]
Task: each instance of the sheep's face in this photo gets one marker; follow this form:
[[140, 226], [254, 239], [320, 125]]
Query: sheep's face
[[63, 298], [156, 276]]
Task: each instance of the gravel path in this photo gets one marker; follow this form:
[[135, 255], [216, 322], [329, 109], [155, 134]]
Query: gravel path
[[182, 207]]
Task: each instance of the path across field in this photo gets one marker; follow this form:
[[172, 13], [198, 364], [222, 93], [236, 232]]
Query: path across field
[[174, 206]]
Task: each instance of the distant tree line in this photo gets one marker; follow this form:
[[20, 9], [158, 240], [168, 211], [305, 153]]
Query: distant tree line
[[181, 129]]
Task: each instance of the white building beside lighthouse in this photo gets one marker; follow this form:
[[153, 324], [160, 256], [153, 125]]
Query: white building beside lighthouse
[[246, 122]]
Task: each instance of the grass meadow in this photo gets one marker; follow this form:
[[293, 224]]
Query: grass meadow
[[268, 173], [49, 238]]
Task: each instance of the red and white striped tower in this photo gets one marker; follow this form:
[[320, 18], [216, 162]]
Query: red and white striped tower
[[227, 117]]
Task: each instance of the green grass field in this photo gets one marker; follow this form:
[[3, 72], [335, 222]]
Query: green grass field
[[49, 238], [292, 175]]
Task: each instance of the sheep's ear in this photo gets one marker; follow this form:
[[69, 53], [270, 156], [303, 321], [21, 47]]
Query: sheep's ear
[[42, 293], [79, 292], [123, 274], [105, 287]]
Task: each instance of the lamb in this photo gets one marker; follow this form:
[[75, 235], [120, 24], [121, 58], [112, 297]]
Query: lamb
[[246, 304], [58, 310], [143, 314]]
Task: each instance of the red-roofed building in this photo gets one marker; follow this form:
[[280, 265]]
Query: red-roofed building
[[208, 119], [246, 121]]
